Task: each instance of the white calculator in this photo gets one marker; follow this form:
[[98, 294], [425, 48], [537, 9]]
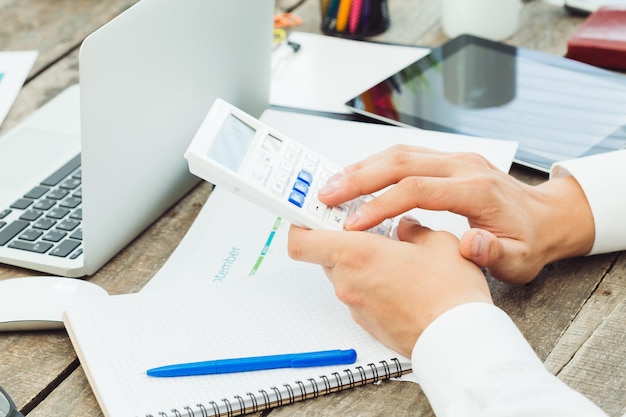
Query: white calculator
[[242, 154]]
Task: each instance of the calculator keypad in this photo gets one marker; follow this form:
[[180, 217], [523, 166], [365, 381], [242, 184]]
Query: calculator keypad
[[297, 175]]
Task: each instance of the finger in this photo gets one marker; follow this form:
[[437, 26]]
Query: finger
[[384, 169], [315, 246], [387, 153], [457, 195], [411, 230]]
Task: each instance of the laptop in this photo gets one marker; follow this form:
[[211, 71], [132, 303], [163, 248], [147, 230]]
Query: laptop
[[86, 173]]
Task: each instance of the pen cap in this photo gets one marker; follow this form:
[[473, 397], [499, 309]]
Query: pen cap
[[354, 19]]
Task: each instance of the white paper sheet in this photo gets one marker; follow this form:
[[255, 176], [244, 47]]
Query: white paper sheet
[[327, 71], [14, 68], [234, 239]]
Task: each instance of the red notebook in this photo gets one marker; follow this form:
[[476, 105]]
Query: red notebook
[[601, 39]]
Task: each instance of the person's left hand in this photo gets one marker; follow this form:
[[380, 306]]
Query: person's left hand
[[394, 288]]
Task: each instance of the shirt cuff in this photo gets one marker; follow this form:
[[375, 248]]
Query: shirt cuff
[[602, 178], [466, 341]]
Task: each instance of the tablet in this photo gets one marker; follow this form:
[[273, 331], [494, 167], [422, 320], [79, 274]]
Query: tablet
[[554, 107]]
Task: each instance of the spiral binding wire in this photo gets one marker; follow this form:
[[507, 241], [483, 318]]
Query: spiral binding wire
[[298, 391]]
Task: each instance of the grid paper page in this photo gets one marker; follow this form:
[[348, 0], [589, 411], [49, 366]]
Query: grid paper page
[[118, 338]]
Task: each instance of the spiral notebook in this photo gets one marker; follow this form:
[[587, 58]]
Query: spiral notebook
[[118, 338]]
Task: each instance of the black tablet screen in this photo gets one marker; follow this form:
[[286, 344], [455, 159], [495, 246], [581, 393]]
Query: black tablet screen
[[556, 108]]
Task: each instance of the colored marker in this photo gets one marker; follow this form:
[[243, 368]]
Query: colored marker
[[343, 15], [355, 15]]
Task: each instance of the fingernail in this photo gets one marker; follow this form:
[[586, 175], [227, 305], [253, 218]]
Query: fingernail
[[329, 188], [353, 218], [478, 245], [411, 219]]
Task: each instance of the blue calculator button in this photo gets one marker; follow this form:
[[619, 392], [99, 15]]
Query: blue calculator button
[[296, 198], [301, 187], [305, 176]]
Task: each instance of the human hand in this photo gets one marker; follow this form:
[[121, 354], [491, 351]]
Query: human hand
[[394, 288], [516, 229]]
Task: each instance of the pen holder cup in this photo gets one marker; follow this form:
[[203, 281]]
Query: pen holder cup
[[354, 19]]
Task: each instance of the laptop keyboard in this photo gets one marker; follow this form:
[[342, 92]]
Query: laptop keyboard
[[47, 219]]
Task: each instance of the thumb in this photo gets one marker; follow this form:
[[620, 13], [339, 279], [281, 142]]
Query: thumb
[[481, 247], [505, 259]]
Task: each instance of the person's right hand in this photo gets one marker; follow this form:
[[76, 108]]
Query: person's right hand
[[516, 229]]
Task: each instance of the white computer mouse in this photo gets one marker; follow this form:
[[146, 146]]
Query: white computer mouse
[[38, 302]]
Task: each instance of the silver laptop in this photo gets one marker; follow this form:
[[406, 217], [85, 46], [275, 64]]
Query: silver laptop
[[147, 78]]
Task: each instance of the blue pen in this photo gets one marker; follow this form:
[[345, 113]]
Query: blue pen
[[256, 363]]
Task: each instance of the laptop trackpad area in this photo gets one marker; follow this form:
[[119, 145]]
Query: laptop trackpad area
[[28, 156]]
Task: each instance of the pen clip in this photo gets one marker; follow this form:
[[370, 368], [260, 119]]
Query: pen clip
[[337, 357]]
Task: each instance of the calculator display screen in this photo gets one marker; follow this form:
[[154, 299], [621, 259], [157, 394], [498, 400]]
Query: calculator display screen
[[232, 143]]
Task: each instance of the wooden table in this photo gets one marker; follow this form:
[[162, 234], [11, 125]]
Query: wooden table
[[574, 313]]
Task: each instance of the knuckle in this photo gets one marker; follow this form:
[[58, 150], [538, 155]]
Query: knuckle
[[348, 295], [411, 183], [375, 205], [419, 189], [470, 158], [400, 157], [355, 179]]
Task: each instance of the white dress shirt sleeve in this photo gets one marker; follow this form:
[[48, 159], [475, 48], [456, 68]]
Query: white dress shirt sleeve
[[473, 361], [603, 180]]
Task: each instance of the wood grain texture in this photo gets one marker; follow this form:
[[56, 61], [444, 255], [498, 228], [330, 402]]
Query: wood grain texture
[[55, 29], [591, 354], [573, 314]]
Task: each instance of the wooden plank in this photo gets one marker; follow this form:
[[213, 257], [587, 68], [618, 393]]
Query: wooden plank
[[31, 361], [42, 89], [591, 354], [609, 294], [544, 308], [81, 402], [54, 29], [598, 370], [388, 398]]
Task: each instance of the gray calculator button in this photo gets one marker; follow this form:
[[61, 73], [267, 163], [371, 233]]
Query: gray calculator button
[[282, 176], [310, 166], [291, 156], [286, 165], [278, 187], [317, 208], [383, 229], [338, 215]]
